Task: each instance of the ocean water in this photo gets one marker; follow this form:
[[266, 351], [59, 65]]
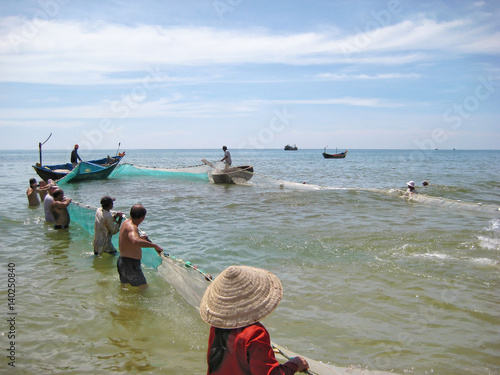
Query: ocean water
[[371, 280]]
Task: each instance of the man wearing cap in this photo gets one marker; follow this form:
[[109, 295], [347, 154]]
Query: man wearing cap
[[75, 157], [105, 226], [131, 244]]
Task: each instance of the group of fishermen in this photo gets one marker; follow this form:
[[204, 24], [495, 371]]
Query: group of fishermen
[[107, 224], [252, 351]]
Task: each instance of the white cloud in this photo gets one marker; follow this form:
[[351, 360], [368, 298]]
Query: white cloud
[[79, 53], [354, 77]]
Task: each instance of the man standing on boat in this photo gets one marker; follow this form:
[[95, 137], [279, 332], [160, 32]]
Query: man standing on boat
[[226, 158], [131, 244], [105, 226], [75, 157]]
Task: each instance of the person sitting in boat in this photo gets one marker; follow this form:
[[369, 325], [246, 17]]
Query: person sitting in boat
[[75, 157], [105, 226], [59, 209], [32, 193], [238, 343], [411, 189], [227, 158]]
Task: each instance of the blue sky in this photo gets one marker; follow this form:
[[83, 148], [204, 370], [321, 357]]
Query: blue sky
[[393, 74]]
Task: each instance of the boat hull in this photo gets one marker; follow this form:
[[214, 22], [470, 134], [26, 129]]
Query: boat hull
[[244, 172], [342, 155], [92, 170]]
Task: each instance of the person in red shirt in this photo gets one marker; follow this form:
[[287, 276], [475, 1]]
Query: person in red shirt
[[238, 343]]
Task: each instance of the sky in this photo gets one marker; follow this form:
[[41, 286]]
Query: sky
[[250, 74]]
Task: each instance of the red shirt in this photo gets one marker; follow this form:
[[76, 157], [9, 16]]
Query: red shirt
[[250, 353]]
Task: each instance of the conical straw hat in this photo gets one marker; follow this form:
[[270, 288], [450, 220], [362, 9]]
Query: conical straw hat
[[240, 296]]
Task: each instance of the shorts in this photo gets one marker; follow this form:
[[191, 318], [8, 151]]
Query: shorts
[[61, 226], [130, 271]]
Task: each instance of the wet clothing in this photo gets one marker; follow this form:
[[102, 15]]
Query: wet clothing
[[61, 226], [105, 227], [47, 202], [130, 271], [248, 352]]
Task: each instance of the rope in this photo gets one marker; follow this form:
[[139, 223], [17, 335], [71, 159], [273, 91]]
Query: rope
[[144, 166], [279, 351]]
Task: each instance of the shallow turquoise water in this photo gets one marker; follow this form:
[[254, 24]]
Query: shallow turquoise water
[[370, 279]]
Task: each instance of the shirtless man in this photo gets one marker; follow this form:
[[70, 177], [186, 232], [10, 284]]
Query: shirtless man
[[32, 193], [59, 209], [43, 190], [131, 244]]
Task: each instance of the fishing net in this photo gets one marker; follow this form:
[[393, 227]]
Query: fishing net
[[69, 176], [196, 172], [190, 282]]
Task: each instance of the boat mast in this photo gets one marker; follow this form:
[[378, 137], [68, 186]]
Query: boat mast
[[40, 144]]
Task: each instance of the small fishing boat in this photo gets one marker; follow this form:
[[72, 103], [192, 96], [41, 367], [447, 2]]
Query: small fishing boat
[[290, 148], [337, 155], [87, 170], [228, 176]]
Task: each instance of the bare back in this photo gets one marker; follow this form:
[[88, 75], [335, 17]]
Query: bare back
[[33, 200]]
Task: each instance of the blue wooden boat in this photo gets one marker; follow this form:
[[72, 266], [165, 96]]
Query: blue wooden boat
[[87, 170]]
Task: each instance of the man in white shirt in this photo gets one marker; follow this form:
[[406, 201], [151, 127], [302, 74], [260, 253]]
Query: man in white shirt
[[47, 202], [226, 158], [105, 226]]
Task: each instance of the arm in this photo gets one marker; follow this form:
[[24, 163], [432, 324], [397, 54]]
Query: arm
[[135, 239], [112, 224], [263, 361], [30, 191], [61, 204]]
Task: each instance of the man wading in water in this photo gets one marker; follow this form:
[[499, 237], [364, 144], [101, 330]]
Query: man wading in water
[[131, 244], [59, 210]]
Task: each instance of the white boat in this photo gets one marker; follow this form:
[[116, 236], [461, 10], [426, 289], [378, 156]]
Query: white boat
[[228, 176]]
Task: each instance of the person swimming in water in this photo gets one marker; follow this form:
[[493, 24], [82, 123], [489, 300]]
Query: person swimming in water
[[411, 189]]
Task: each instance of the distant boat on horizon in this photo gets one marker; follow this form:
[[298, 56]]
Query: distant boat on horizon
[[290, 148], [340, 155]]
